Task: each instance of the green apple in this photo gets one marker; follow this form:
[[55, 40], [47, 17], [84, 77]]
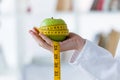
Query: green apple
[[52, 21], [55, 29], [57, 37]]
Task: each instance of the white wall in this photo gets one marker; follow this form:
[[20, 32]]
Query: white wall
[[94, 23]]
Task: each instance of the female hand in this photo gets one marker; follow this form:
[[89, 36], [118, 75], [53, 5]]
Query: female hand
[[73, 41]]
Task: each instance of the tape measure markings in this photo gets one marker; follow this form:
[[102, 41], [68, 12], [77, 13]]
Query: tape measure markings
[[55, 30], [56, 27], [56, 61], [61, 32]]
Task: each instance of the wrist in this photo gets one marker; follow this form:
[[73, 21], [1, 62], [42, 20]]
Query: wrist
[[81, 44], [77, 51]]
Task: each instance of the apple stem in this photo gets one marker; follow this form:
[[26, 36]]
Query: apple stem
[[51, 17]]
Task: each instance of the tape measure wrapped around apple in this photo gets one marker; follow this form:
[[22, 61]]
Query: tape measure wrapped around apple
[[55, 29]]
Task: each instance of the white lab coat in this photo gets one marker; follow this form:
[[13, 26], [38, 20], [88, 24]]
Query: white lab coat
[[98, 62]]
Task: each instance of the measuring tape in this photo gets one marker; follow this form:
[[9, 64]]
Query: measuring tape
[[55, 30], [54, 27], [56, 61]]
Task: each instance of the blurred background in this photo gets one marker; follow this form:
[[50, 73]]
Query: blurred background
[[20, 56]]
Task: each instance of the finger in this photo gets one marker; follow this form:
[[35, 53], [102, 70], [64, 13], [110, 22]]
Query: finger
[[35, 30], [36, 36], [48, 40], [40, 41], [47, 46]]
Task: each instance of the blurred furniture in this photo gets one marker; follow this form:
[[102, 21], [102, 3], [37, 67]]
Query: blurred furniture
[[109, 41], [64, 5]]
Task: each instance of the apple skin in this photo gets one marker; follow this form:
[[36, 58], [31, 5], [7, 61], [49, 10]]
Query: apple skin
[[57, 38], [50, 22]]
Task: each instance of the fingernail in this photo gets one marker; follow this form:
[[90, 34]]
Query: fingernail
[[30, 31]]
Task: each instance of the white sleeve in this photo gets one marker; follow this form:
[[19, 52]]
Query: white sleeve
[[97, 61]]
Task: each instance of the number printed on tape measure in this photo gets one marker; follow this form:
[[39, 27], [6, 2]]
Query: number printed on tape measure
[[54, 27], [56, 61], [56, 56], [54, 32], [55, 47], [56, 73], [56, 64]]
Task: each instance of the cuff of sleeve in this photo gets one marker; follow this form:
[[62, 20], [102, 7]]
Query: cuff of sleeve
[[89, 52], [78, 54]]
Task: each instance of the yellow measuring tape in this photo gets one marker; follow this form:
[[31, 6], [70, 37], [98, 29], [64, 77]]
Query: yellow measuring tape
[[54, 27], [56, 61], [55, 30]]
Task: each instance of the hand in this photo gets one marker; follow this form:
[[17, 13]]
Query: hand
[[73, 41]]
